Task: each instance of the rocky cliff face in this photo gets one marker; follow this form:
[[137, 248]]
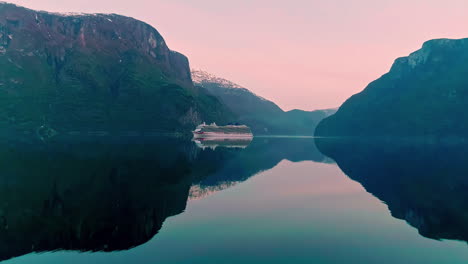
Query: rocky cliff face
[[94, 72], [424, 94], [25, 32]]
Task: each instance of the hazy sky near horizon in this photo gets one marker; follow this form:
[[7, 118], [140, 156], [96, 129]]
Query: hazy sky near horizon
[[306, 54]]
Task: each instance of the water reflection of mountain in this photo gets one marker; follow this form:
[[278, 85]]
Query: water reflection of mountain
[[88, 195], [239, 165], [104, 194], [423, 183]]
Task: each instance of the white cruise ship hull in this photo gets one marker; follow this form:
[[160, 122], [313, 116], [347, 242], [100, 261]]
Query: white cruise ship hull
[[221, 135]]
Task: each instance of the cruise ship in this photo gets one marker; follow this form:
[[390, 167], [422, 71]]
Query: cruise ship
[[229, 131]]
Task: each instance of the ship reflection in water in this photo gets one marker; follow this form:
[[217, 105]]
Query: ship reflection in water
[[213, 143]]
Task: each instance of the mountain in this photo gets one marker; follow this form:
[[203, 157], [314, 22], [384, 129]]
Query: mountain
[[99, 72], [424, 94], [262, 115]]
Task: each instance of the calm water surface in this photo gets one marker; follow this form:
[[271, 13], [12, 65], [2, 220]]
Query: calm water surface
[[277, 201]]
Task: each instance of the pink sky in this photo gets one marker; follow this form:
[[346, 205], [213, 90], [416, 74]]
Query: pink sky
[[306, 54]]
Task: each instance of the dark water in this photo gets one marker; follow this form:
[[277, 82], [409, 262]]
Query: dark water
[[279, 200]]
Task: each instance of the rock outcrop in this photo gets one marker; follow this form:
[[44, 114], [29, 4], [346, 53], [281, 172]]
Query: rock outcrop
[[93, 72]]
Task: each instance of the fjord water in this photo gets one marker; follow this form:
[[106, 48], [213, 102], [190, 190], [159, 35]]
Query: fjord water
[[279, 200]]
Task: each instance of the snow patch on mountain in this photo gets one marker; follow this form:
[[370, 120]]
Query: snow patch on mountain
[[200, 77]]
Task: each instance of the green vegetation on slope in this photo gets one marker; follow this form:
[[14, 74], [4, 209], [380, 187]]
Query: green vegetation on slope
[[424, 94], [95, 73]]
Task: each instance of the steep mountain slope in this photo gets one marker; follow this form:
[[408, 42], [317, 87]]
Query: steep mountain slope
[[263, 116], [94, 72], [424, 94]]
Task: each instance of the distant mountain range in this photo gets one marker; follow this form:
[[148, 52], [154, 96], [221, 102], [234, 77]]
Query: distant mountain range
[[424, 94], [262, 115], [80, 72]]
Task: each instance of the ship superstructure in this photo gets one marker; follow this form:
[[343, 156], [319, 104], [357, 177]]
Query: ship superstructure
[[229, 131]]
